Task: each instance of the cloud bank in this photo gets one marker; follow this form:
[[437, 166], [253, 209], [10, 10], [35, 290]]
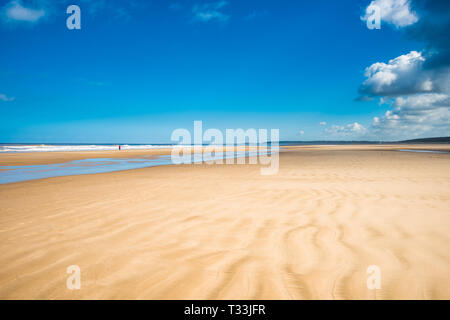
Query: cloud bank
[[416, 85]]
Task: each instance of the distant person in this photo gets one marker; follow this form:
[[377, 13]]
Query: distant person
[[120, 147]]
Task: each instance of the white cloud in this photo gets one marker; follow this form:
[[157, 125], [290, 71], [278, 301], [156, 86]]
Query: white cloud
[[418, 97], [415, 115], [402, 75], [415, 86], [5, 98], [34, 11], [301, 132], [396, 12], [376, 121], [420, 101], [210, 11], [352, 130], [323, 123], [16, 11]]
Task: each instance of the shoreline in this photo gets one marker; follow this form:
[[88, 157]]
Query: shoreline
[[52, 157], [37, 158]]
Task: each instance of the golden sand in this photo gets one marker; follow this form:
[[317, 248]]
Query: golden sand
[[227, 232]]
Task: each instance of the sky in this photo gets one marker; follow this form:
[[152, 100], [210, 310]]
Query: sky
[[138, 70]]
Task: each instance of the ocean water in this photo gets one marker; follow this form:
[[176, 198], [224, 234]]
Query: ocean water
[[10, 148], [423, 151], [32, 147], [10, 174]]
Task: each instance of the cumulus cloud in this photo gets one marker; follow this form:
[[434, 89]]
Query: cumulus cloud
[[402, 75], [16, 11], [5, 98], [301, 132], [323, 123], [210, 11], [415, 85], [419, 98], [421, 101], [415, 115], [352, 130], [396, 12]]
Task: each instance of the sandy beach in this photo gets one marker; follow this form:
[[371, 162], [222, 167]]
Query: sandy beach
[[228, 232]]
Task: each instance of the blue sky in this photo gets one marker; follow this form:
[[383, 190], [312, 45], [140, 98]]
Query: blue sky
[[138, 70]]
